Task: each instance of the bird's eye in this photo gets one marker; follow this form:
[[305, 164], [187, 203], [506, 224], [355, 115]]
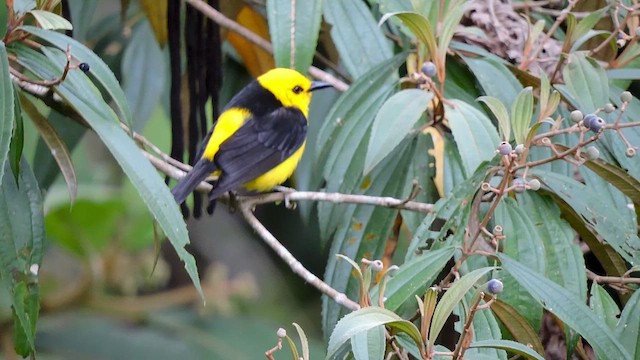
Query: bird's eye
[[297, 89]]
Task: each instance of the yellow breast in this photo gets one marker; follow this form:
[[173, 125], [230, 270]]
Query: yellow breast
[[277, 175]]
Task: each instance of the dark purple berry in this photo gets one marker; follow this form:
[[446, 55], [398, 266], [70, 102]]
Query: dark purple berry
[[586, 121], [429, 69], [504, 148], [596, 124], [494, 286], [84, 67]]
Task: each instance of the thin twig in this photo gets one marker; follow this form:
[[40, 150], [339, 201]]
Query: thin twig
[[611, 279], [246, 207], [225, 22]]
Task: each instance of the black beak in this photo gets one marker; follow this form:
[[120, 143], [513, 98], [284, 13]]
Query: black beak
[[316, 85]]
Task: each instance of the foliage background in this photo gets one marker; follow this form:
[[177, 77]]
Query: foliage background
[[101, 298]]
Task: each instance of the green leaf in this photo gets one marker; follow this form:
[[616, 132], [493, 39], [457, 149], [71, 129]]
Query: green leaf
[[342, 141], [362, 230], [364, 320], [144, 73], [508, 345], [517, 325], [564, 259], [419, 25], [604, 306], [521, 113], [567, 307], [628, 327], [21, 249], [500, 112], [451, 298], [618, 177], [451, 21], [99, 70], [495, 78], [50, 21], [587, 82], [602, 216], [476, 137], [7, 108], [369, 344], [522, 243], [413, 278], [587, 23], [300, 19], [79, 93], [360, 42], [450, 213], [57, 147], [397, 116]]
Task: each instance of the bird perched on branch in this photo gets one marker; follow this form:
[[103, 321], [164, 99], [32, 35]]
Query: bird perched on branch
[[258, 139]]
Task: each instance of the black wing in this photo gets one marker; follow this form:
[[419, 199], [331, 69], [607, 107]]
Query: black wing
[[187, 184], [258, 146]]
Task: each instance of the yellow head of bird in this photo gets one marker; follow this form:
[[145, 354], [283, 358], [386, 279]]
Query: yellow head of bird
[[290, 87]]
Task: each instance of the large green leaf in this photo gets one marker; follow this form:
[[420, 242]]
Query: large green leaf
[[586, 81], [522, 243], [78, 91], [450, 213], [144, 73], [567, 307], [397, 116], [599, 214], [6, 108], [413, 278], [297, 19], [343, 138], [360, 42], [363, 230], [476, 137], [564, 259], [21, 248], [99, 70], [364, 320]]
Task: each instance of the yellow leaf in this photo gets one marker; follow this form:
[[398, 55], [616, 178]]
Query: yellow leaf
[[156, 11], [438, 155], [256, 60]]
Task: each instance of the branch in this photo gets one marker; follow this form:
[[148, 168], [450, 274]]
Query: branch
[[225, 22], [246, 207]]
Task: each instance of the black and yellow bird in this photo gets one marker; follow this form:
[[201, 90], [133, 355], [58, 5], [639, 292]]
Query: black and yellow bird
[[258, 139]]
